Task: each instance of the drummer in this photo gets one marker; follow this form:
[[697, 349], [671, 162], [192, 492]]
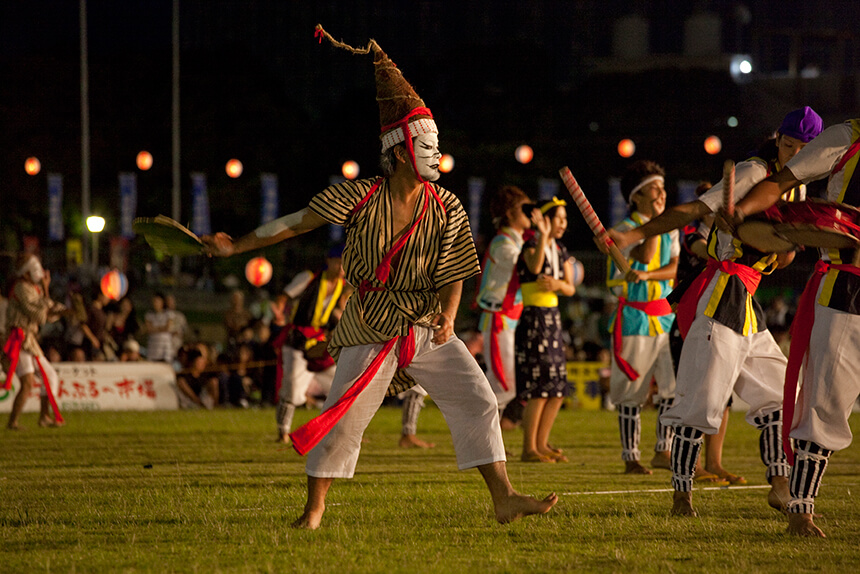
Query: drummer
[[727, 346], [829, 323]]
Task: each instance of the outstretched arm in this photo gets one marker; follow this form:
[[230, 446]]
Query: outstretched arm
[[673, 218], [302, 221]]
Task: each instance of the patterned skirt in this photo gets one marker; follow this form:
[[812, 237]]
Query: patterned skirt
[[541, 362]]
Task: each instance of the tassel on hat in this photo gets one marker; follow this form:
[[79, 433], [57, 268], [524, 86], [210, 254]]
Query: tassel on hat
[[400, 107]]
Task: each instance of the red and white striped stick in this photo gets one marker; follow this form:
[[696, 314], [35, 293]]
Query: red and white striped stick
[[729, 187], [591, 217]]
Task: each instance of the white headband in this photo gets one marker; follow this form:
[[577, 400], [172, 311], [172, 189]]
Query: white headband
[[416, 128], [643, 183]]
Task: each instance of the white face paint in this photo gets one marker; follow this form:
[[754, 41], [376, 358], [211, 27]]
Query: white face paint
[[427, 156]]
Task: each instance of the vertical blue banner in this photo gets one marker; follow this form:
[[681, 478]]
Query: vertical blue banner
[[548, 188], [476, 193], [55, 207], [617, 205], [200, 222], [268, 197], [127, 203], [687, 190], [335, 232]]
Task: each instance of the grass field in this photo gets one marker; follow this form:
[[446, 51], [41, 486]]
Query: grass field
[[211, 492]]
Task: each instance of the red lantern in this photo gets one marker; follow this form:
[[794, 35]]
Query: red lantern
[[114, 285], [258, 271]]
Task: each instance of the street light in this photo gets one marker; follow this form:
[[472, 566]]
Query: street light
[[95, 224]]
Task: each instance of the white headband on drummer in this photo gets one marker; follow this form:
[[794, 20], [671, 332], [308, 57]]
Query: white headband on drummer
[[643, 183], [33, 267]]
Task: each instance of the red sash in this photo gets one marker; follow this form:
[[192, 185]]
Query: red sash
[[655, 308], [47, 383], [801, 331], [686, 311], [13, 350], [309, 434]]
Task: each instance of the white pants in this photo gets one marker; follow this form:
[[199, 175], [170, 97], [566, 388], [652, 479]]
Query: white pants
[[297, 378], [651, 357], [831, 380], [27, 365], [715, 361], [449, 374], [506, 354]]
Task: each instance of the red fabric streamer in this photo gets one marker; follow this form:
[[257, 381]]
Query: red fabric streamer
[[309, 434], [13, 350], [51, 399], [801, 331], [686, 311], [655, 308]]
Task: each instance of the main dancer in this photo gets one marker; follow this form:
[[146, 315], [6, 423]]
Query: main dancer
[[408, 250]]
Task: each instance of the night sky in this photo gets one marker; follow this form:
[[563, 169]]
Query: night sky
[[257, 86]]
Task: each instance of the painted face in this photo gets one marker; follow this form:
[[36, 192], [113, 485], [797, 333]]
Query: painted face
[[787, 147], [427, 156]]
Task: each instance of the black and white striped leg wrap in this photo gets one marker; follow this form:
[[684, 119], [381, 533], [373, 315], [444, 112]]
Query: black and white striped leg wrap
[[810, 462], [284, 416], [686, 446], [664, 432], [630, 425], [770, 444], [412, 404]]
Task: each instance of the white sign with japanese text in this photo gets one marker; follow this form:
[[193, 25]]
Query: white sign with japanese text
[[139, 386]]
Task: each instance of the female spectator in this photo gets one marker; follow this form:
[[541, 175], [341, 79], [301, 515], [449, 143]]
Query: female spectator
[[122, 323], [196, 386], [159, 324], [545, 270]]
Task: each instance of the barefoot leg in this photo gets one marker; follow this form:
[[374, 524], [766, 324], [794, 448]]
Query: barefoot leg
[[412, 441], [800, 524], [682, 504], [20, 399], [547, 420], [531, 421], [315, 506], [508, 504], [779, 495]]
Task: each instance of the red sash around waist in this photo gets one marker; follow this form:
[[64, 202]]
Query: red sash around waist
[[686, 311], [656, 308]]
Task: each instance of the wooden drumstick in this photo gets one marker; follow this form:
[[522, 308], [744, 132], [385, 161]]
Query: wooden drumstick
[[729, 187], [591, 218]]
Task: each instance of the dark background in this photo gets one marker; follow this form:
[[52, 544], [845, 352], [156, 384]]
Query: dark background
[[257, 86]]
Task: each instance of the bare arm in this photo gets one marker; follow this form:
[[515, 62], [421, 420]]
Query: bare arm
[[563, 286], [668, 271], [449, 297], [675, 217], [302, 221], [767, 192]]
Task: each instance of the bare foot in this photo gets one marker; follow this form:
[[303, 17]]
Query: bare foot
[[682, 504], [283, 439], [516, 506], [16, 426], [47, 422], [554, 454], [726, 475], [635, 467], [778, 496], [412, 441], [310, 519], [662, 459], [800, 524], [535, 457]]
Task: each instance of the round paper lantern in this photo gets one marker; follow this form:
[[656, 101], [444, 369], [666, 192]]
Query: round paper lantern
[[144, 160], [626, 148], [349, 169], [234, 168], [713, 145], [32, 166], [578, 272], [524, 154], [114, 285], [258, 271], [446, 163]]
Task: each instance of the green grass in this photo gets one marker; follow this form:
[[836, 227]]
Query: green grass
[[219, 497]]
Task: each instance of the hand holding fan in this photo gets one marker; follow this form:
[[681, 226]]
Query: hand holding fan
[[168, 236]]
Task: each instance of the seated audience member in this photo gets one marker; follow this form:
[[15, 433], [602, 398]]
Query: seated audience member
[[244, 377], [196, 386], [130, 351]]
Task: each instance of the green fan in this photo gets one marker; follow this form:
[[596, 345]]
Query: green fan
[[168, 236]]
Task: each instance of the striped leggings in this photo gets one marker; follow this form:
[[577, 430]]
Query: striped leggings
[[630, 428], [809, 465]]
